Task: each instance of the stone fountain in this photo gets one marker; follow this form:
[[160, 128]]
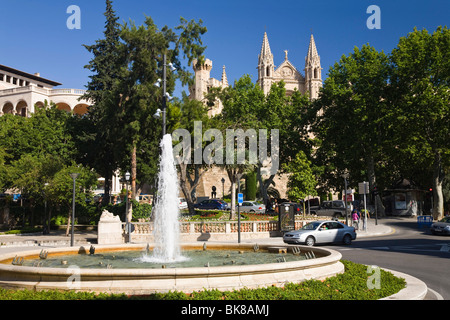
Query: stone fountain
[[166, 249]]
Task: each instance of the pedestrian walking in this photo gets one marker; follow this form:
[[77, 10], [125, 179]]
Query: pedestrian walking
[[355, 218]]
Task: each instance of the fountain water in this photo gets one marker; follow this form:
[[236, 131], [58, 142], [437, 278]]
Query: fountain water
[[167, 228]]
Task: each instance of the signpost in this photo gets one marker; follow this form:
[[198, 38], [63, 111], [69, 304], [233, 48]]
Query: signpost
[[364, 189], [240, 199]]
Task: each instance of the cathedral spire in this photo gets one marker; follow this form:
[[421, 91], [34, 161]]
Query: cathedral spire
[[266, 67], [313, 70], [312, 51], [265, 49]]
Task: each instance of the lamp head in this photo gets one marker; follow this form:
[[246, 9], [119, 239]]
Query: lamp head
[[157, 115], [127, 176], [168, 96], [74, 175], [172, 68]]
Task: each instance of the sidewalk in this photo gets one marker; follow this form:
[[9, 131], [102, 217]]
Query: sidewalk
[[59, 239], [54, 239]]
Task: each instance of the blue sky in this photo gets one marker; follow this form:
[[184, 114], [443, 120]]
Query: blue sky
[[35, 38]]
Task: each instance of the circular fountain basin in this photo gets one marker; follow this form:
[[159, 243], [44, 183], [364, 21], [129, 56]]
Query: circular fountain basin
[[142, 281]]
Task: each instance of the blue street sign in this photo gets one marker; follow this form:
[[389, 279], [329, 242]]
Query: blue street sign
[[240, 198]]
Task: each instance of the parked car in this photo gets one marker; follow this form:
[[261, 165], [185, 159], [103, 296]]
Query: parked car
[[442, 227], [182, 204], [252, 206], [321, 232], [335, 209], [212, 205]]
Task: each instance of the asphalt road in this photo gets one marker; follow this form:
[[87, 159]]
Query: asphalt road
[[410, 250]]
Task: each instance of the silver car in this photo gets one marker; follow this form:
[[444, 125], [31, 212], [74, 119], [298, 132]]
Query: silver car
[[252, 206], [321, 232], [442, 227]]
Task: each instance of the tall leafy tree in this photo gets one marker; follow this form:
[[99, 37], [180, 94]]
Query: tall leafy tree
[[246, 107], [97, 133], [143, 50], [302, 182], [244, 98], [420, 100], [349, 123], [190, 172]]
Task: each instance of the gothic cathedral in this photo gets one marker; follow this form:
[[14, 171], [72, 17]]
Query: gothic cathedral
[[310, 83], [268, 73]]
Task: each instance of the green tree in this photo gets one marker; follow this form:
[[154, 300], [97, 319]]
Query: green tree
[[420, 99], [302, 182], [244, 98], [250, 186], [349, 124], [276, 111], [287, 114], [96, 134], [59, 190], [190, 172]]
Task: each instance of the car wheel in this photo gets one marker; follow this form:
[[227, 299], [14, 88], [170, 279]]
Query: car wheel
[[337, 215], [347, 239], [310, 241]]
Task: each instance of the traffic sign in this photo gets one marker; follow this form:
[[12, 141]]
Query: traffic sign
[[240, 198], [363, 188]]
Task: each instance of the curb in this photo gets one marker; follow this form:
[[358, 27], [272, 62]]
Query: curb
[[415, 289]]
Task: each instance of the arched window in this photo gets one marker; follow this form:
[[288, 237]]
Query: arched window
[[63, 106], [21, 108]]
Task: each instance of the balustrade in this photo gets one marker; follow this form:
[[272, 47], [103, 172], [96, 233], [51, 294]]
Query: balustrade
[[141, 228]]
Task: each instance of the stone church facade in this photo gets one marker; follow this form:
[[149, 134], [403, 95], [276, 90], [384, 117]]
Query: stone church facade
[[308, 82]]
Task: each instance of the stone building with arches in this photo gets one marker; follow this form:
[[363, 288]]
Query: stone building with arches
[[21, 93]]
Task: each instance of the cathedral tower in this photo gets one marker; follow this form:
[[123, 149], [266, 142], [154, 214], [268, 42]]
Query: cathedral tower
[[266, 67], [204, 82], [202, 76], [313, 70]]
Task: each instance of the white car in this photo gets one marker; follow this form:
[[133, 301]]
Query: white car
[[321, 232], [252, 206]]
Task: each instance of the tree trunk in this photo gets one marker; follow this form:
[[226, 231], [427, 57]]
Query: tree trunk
[[108, 181], [133, 171], [438, 179], [372, 183], [233, 200], [188, 185], [263, 186], [69, 220], [184, 187]]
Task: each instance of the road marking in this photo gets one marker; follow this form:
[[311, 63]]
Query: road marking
[[445, 248]]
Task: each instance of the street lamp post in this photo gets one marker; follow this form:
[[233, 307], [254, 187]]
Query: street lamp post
[[72, 238], [128, 226], [166, 95], [345, 176]]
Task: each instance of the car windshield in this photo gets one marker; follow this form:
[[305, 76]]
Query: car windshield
[[446, 220], [311, 226]]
